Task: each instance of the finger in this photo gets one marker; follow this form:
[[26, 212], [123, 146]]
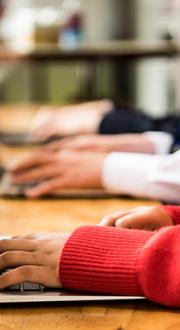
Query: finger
[[37, 236], [35, 159], [84, 147], [42, 117], [69, 144], [47, 187], [77, 143], [36, 174], [19, 258], [21, 237], [63, 143], [17, 244], [45, 124], [24, 237], [81, 143], [111, 219], [33, 274], [135, 221], [42, 133]]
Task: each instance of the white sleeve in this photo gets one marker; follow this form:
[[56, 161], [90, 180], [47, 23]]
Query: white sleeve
[[162, 141], [152, 176]]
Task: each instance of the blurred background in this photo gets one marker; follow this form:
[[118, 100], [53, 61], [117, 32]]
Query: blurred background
[[149, 84]]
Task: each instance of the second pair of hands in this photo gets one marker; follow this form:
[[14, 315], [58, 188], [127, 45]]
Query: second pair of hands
[[55, 170], [36, 258], [71, 163]]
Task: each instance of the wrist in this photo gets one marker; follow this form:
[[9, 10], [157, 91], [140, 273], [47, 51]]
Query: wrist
[[103, 259], [105, 106], [101, 108], [94, 173], [64, 240]]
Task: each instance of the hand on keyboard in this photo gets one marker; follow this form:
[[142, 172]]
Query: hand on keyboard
[[32, 259], [24, 286]]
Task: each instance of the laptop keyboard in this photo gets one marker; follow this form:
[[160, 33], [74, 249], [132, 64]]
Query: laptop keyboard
[[24, 286], [7, 188], [18, 139]]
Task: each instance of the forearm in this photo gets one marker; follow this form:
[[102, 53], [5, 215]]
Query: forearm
[[100, 106], [103, 106], [124, 262], [95, 259], [88, 115], [151, 176], [148, 143], [136, 143]]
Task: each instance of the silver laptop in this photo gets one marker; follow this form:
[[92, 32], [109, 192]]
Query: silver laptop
[[31, 296], [33, 292], [8, 189], [26, 292], [18, 139]]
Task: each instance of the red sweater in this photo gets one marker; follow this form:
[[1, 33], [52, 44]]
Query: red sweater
[[125, 262]]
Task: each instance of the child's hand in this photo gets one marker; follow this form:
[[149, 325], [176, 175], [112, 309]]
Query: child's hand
[[33, 258], [143, 217]]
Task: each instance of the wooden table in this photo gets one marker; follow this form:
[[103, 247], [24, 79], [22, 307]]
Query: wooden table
[[20, 216], [23, 216]]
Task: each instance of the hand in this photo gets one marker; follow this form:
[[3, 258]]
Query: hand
[[143, 217], [95, 142], [34, 258], [66, 169], [105, 143], [69, 120]]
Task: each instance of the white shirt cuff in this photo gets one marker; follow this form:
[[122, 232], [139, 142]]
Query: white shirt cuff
[[162, 141], [128, 173]]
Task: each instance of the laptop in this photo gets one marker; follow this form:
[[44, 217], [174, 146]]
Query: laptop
[[31, 296], [46, 296], [26, 292], [33, 292], [18, 139], [10, 190]]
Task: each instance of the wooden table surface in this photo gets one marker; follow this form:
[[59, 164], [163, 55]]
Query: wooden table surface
[[22, 216]]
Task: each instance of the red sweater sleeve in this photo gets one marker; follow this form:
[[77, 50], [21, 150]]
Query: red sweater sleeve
[[174, 212], [124, 262]]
